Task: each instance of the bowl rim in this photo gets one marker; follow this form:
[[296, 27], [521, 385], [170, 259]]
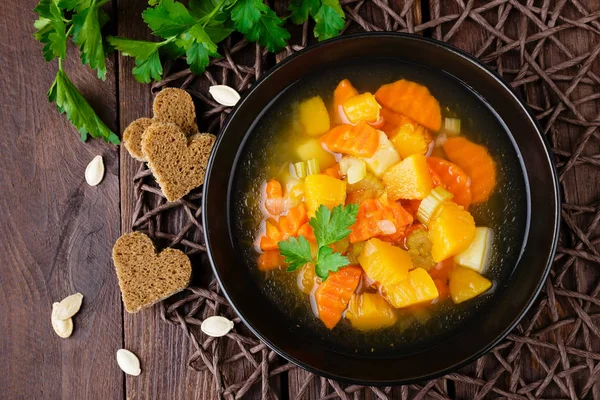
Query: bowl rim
[[547, 153]]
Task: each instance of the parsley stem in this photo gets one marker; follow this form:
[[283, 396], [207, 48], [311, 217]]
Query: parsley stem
[[206, 19]]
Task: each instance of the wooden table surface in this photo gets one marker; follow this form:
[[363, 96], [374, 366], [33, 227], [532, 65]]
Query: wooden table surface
[[58, 232]]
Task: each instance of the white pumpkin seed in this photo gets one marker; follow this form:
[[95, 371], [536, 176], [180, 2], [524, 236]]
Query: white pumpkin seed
[[224, 95], [128, 362], [64, 329], [94, 172], [216, 326], [69, 306]]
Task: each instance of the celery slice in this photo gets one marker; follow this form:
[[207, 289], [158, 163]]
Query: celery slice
[[300, 169], [452, 126], [430, 204], [313, 166]]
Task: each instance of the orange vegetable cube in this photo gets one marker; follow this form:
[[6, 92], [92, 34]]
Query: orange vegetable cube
[[384, 157], [392, 120], [370, 311], [411, 138], [409, 179], [313, 116], [333, 295], [362, 107], [413, 100], [312, 149], [342, 92], [466, 284], [270, 260], [371, 214], [323, 189], [307, 231], [384, 263], [451, 231], [416, 289], [360, 140]]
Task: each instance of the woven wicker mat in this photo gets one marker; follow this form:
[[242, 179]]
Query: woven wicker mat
[[549, 50]]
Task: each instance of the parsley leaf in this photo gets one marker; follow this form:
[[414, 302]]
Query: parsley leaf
[[76, 5], [259, 24], [87, 35], [169, 18], [332, 226], [329, 20], [301, 9], [328, 15], [51, 30], [329, 261], [198, 48], [69, 101], [296, 252], [147, 58], [329, 227]]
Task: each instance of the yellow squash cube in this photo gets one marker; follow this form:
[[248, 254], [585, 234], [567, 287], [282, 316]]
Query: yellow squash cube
[[451, 231], [416, 289], [362, 107], [323, 189], [466, 284], [409, 179], [312, 149], [314, 116], [370, 311], [411, 138], [384, 263]]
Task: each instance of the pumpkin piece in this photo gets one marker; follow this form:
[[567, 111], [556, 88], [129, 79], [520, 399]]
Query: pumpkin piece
[[451, 231], [384, 263], [313, 116], [312, 149], [370, 311], [416, 289], [362, 107], [409, 179], [411, 138], [466, 284], [323, 189], [342, 92]]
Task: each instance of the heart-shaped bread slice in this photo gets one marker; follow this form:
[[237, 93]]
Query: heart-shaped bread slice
[[178, 163], [145, 277], [132, 137], [177, 107]]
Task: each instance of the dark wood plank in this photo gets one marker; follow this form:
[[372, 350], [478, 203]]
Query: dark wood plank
[[58, 231]]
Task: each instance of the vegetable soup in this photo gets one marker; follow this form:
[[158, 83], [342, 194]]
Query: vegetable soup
[[380, 204]]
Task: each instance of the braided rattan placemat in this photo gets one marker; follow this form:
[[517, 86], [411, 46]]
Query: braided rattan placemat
[[549, 50]]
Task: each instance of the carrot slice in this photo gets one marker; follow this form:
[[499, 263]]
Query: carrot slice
[[266, 243], [342, 92], [360, 140], [413, 100], [274, 190], [453, 178], [435, 178], [475, 160], [295, 218], [371, 213], [334, 171], [392, 120], [270, 260], [333, 295], [307, 231]]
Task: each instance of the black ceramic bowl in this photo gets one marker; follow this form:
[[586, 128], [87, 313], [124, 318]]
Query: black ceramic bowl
[[479, 333]]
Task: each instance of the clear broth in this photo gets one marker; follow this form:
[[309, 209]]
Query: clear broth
[[271, 147]]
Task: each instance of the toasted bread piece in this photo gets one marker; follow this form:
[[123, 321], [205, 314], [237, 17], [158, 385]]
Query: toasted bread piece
[[176, 106], [177, 162], [145, 277], [132, 137]]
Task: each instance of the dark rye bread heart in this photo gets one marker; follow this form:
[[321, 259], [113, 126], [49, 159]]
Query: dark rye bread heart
[[170, 105], [177, 162], [145, 277]]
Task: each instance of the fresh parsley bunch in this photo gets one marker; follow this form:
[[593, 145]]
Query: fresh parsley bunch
[[196, 29], [82, 20], [329, 227]]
